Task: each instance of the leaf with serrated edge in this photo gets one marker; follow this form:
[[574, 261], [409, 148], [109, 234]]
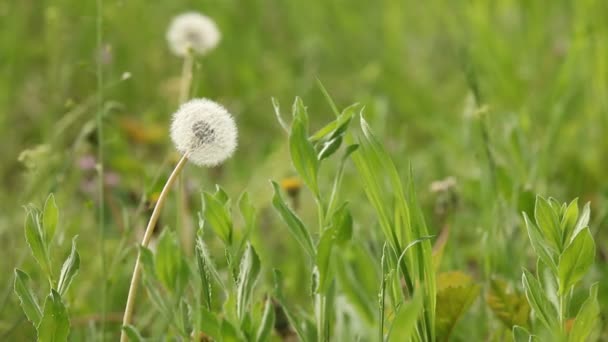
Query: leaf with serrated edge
[[27, 298]]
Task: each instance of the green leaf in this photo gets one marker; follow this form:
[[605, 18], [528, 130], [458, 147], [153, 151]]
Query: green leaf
[[583, 220], [55, 324], [323, 261], [27, 298], [569, 220], [69, 269], [267, 323], [50, 217], [576, 260], [547, 220], [132, 333], [210, 324], [248, 275], [455, 295], [403, 325], [36, 241], [520, 334], [342, 223], [508, 305], [539, 301], [337, 127], [204, 274], [295, 225], [587, 318], [218, 217], [230, 333], [277, 112], [302, 152], [329, 148], [171, 268], [545, 252]]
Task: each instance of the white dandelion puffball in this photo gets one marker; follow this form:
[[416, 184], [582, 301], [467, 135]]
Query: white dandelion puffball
[[205, 131], [194, 31]]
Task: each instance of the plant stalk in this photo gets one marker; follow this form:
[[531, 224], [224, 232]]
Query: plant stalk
[[128, 315]]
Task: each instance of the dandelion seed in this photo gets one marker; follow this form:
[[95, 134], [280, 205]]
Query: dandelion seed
[[205, 131], [194, 31]]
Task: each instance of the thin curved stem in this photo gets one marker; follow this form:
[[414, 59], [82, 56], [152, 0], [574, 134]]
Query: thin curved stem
[[145, 241]]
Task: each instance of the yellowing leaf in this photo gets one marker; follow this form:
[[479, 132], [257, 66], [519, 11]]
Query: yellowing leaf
[[510, 306], [456, 292]]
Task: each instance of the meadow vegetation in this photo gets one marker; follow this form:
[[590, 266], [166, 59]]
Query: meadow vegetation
[[425, 171]]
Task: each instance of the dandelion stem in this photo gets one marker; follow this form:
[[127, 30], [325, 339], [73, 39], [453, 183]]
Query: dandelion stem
[[127, 318]]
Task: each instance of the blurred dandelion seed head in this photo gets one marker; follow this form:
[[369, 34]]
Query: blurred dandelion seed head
[[194, 31], [205, 131]]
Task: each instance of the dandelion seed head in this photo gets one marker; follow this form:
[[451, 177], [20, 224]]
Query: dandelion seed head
[[194, 31], [205, 131]]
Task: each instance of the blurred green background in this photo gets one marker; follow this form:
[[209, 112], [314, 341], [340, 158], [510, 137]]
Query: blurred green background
[[537, 69]]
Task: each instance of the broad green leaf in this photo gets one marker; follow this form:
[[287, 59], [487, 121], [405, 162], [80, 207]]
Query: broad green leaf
[[230, 333], [295, 225], [456, 292], [50, 218], [27, 298], [170, 265], [218, 217], [35, 239], [545, 252], [547, 220], [132, 333], [508, 305], [147, 261], [587, 318], [221, 195], [209, 324], [55, 324], [69, 269], [302, 152], [568, 222], [342, 223], [576, 260], [267, 323], [520, 334], [151, 283], [248, 275], [403, 325], [538, 300]]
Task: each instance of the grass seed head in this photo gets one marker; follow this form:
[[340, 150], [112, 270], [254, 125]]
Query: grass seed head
[[194, 31], [205, 131]]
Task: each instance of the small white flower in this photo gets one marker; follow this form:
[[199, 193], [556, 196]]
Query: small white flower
[[205, 131], [194, 31]]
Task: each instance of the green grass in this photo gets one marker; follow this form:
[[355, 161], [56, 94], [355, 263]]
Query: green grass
[[508, 97]]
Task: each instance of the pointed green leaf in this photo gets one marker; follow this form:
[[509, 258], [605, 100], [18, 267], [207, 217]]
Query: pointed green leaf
[[55, 324], [50, 217], [547, 220], [69, 269], [27, 298], [132, 333], [545, 252], [520, 334], [538, 300], [587, 318], [402, 328], [35, 239], [267, 323], [568, 223], [302, 152], [583, 220], [576, 260], [295, 225], [249, 271], [170, 265], [323, 261], [218, 217]]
